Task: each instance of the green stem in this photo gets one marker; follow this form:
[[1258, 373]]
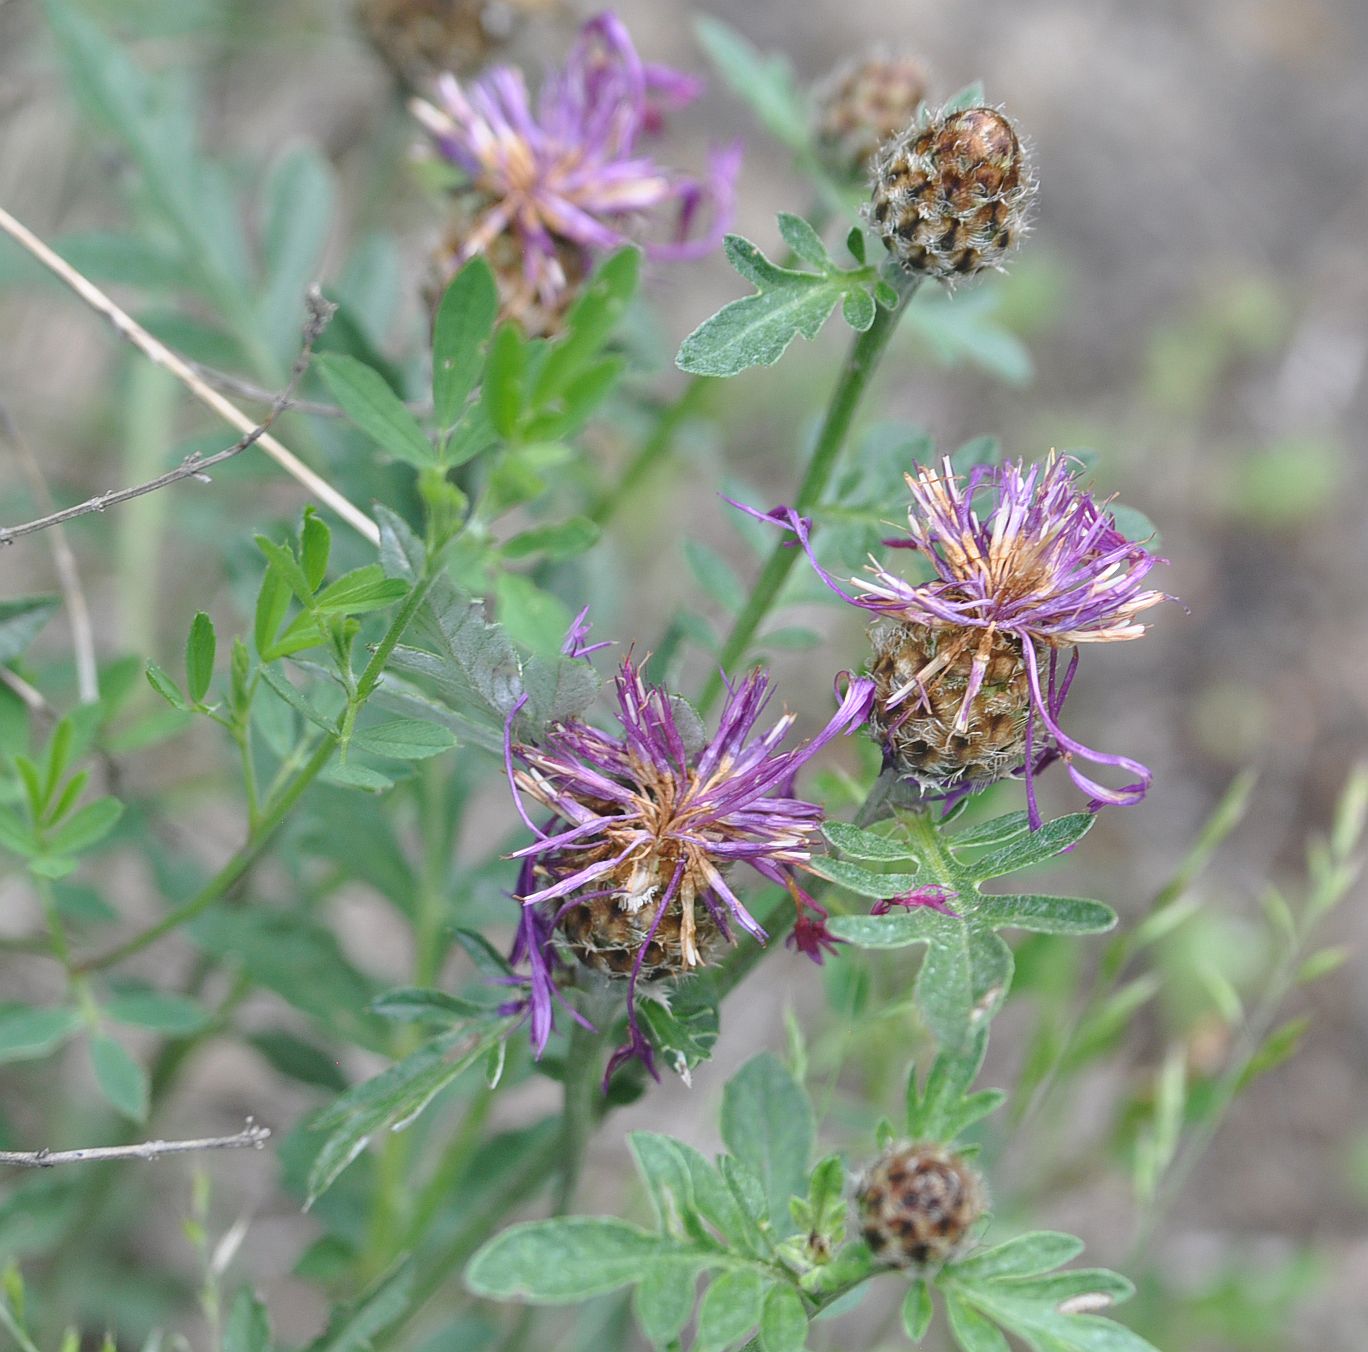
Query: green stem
[[581, 1111], [271, 820], [860, 365], [653, 450]]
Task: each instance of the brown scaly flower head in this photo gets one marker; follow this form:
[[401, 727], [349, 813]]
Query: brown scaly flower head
[[969, 685], [549, 185], [863, 103], [632, 868], [952, 193], [917, 1204], [418, 39]]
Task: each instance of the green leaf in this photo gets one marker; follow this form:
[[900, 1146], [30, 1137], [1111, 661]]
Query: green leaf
[[863, 882], [315, 548], [916, 1310], [86, 828], [273, 601], [121, 1079], [572, 1258], [26, 1034], [783, 1321], [1035, 847], [20, 620], [1025, 1256], [369, 402], [944, 1107], [995, 831], [199, 657], [410, 1004], [767, 1124], [729, 1310], [1277, 1047], [299, 1060], [404, 739], [857, 843], [757, 330], [359, 591], [684, 1030], [972, 1332], [394, 1098], [664, 1301], [162, 1011], [1045, 915], [281, 561], [465, 319], [763, 81], [165, 686], [805, 242], [531, 615], [591, 319], [559, 541], [858, 309], [505, 381], [249, 1326]]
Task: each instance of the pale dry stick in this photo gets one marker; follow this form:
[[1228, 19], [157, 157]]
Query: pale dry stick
[[68, 576], [34, 700], [157, 352], [251, 1137], [195, 464]]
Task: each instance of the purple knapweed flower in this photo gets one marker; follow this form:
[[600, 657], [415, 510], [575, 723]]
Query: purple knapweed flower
[[553, 184], [1026, 563], [647, 822]]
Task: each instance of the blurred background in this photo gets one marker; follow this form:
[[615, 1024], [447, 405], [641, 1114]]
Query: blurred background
[[1192, 306]]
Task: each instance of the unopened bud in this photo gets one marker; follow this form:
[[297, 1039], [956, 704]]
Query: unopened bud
[[917, 1203], [419, 39], [863, 103], [951, 194]]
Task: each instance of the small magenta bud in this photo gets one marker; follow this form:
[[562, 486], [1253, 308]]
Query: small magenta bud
[[917, 1203], [921, 716], [951, 194], [862, 104], [418, 39]]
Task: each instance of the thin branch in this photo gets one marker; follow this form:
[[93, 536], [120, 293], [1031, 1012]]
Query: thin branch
[[251, 1137], [195, 464], [68, 576], [157, 351]]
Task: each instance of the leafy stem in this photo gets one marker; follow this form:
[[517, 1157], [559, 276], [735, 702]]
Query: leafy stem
[[866, 351]]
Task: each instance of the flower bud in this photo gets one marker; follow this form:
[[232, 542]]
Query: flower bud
[[418, 39], [917, 1204], [951, 194], [921, 717], [863, 103]]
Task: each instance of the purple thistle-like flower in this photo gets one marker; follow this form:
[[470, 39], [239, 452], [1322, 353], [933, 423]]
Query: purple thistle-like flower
[[648, 820], [565, 177], [1026, 563]]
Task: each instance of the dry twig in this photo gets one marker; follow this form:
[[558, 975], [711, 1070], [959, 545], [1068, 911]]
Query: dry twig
[[251, 1137], [163, 356], [195, 464]]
